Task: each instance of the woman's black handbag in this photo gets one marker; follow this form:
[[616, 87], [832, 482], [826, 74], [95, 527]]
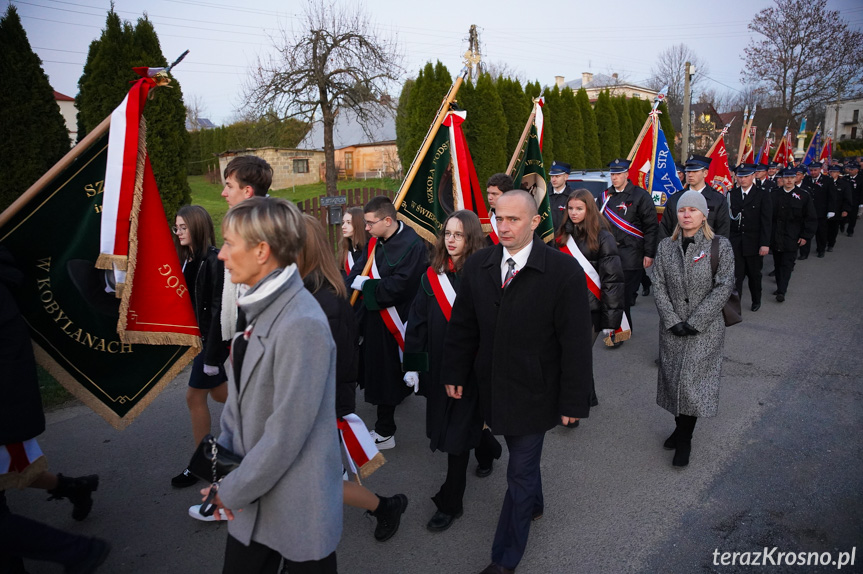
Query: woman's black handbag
[[731, 312], [212, 462]]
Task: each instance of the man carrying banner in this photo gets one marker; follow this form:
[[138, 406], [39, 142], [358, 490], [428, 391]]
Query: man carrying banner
[[560, 191], [717, 206], [794, 224], [497, 185], [522, 314], [400, 259], [751, 225], [632, 218]]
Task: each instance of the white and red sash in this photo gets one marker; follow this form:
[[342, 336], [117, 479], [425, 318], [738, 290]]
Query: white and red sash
[[493, 233], [443, 291], [20, 464], [349, 262], [360, 451], [623, 332], [390, 315]]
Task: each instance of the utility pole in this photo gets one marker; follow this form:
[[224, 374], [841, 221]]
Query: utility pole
[[473, 58], [684, 121], [836, 121]]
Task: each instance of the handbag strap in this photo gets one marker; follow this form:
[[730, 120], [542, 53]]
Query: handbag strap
[[714, 255]]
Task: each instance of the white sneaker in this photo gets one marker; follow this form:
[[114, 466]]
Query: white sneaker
[[195, 512], [383, 442]]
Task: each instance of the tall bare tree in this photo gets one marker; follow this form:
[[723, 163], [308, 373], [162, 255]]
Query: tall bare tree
[[333, 59], [670, 70], [804, 55]]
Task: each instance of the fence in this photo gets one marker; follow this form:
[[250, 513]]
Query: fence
[[354, 198]]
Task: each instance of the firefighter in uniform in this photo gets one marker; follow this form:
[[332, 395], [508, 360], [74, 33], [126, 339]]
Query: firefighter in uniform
[[751, 224]]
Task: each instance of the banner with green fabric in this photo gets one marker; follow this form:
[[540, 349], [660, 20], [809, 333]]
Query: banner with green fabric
[[529, 173]]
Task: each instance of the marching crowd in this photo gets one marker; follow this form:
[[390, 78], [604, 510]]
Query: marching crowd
[[493, 327]]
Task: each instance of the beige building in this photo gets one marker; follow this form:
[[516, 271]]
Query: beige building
[[290, 166], [595, 83], [70, 115], [850, 121]]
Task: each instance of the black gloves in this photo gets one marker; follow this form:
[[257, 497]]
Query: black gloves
[[683, 329]]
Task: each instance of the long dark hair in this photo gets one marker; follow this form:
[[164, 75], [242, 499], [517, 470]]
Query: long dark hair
[[474, 240], [356, 241], [201, 233], [316, 263], [588, 230]]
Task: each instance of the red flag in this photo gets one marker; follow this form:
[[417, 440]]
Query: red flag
[[719, 175], [639, 169], [827, 150]]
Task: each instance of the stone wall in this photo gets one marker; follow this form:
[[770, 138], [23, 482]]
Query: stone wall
[[282, 162]]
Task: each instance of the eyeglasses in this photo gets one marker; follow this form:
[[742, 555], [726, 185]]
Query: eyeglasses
[[372, 223], [458, 235], [178, 228]]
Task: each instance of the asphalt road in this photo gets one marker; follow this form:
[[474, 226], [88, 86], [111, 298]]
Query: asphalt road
[[780, 466]]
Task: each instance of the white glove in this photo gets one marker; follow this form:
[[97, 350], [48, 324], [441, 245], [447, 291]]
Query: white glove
[[831, 214], [211, 371], [358, 282], [412, 379]]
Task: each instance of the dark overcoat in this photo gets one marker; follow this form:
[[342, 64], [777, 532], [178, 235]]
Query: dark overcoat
[[530, 343], [824, 194], [793, 218], [401, 260], [557, 204], [717, 213], [751, 220], [634, 205], [452, 425]]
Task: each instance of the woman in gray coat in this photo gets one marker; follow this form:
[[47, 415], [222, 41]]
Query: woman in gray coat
[[691, 328], [284, 501]]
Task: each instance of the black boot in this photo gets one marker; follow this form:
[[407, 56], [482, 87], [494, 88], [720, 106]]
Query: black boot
[[78, 491], [389, 515], [684, 440], [671, 442]]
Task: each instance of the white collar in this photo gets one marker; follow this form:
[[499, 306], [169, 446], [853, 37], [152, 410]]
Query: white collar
[[520, 259], [747, 190]]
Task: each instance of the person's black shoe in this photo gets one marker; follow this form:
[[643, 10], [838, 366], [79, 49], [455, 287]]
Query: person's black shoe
[[95, 557], [78, 491], [829, 249], [681, 453], [484, 471], [780, 298], [776, 292], [645, 291], [756, 305], [805, 257], [772, 274], [184, 479], [616, 345], [821, 255], [850, 234], [441, 521], [389, 516], [671, 442], [572, 425]]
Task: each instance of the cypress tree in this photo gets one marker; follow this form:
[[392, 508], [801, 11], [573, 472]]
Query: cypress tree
[[403, 122], [592, 153], [636, 116], [516, 108], [412, 113], [573, 127], [33, 134], [549, 148], [426, 96], [627, 138], [485, 124], [560, 129], [609, 132], [532, 90]]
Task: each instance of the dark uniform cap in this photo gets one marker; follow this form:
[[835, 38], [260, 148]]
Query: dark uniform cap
[[759, 167], [746, 169], [679, 167], [619, 166], [772, 165], [801, 169], [697, 162], [815, 165], [788, 172], [559, 168], [835, 167]]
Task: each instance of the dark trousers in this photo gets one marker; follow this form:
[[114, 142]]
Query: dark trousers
[[386, 423], [21, 537], [259, 559], [523, 499], [450, 498], [783, 264], [632, 279], [833, 230], [851, 221], [645, 280], [748, 266]]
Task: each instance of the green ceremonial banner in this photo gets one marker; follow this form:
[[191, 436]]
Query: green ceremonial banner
[[54, 239], [530, 175], [432, 191]]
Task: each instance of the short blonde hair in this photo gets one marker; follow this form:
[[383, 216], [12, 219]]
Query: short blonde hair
[[271, 220], [705, 227]]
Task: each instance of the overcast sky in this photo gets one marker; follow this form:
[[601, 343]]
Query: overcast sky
[[560, 38]]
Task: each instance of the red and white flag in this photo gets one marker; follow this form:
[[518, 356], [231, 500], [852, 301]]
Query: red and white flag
[[361, 453], [718, 174]]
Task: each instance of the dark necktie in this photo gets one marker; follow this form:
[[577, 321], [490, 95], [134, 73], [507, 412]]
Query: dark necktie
[[509, 272]]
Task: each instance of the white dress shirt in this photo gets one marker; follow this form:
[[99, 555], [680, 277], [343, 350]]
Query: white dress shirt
[[520, 259]]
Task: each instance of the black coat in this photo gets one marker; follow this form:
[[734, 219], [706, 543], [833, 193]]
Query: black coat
[[793, 218], [452, 425], [857, 194], [767, 184], [530, 344], [557, 202], [606, 312], [21, 416], [823, 193], [343, 326], [751, 219], [844, 196], [717, 213], [635, 206], [401, 260], [207, 299]]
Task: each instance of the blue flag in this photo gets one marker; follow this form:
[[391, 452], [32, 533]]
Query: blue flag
[[665, 180], [813, 149]]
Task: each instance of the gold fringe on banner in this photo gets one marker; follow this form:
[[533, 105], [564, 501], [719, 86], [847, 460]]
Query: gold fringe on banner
[[368, 468], [109, 262]]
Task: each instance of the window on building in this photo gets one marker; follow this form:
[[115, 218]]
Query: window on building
[[856, 117], [349, 161], [636, 95], [301, 166], [854, 133]]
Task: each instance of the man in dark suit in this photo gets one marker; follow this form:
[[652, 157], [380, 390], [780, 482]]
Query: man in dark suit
[[521, 319], [820, 187], [751, 225], [843, 198], [717, 206], [855, 176], [560, 191], [794, 224], [762, 179]]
